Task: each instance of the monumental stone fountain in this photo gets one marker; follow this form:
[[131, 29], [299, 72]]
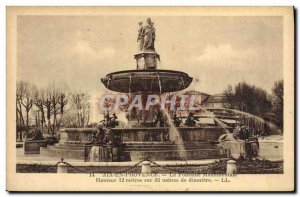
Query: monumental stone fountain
[[143, 137]]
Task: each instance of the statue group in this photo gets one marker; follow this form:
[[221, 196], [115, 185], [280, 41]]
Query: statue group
[[146, 36]]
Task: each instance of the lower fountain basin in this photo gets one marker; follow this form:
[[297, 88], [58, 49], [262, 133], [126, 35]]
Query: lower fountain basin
[[153, 143], [76, 135], [160, 134], [71, 144]]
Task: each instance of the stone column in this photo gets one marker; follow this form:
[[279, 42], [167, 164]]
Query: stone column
[[146, 168], [231, 167], [62, 168]]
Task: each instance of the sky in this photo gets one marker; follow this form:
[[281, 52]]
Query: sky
[[216, 50]]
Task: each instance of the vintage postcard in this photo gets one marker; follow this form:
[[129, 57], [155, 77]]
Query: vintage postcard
[[150, 99]]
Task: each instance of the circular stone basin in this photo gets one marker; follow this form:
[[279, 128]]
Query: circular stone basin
[[150, 81], [76, 135]]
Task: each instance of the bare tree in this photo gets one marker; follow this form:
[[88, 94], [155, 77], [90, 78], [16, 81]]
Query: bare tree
[[54, 102], [55, 109], [39, 96], [62, 101], [48, 106], [82, 106], [27, 103], [70, 119], [20, 94], [24, 101], [50, 102], [21, 89]]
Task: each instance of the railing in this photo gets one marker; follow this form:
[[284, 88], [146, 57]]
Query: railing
[[221, 166]]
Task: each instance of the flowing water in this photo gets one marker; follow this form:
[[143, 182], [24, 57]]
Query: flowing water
[[94, 154], [255, 121], [176, 137], [213, 116], [250, 120]]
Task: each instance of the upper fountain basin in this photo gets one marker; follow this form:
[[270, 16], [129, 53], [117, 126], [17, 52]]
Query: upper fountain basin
[[147, 81]]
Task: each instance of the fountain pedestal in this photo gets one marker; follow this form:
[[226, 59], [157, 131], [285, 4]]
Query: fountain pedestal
[[146, 60]]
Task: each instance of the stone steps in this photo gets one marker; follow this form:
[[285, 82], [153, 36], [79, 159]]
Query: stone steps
[[59, 146], [72, 143], [169, 146], [170, 151], [175, 155], [65, 153], [167, 143], [164, 151]]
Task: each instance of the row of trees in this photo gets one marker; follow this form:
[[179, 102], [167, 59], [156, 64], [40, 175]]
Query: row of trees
[[256, 101], [50, 107]]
